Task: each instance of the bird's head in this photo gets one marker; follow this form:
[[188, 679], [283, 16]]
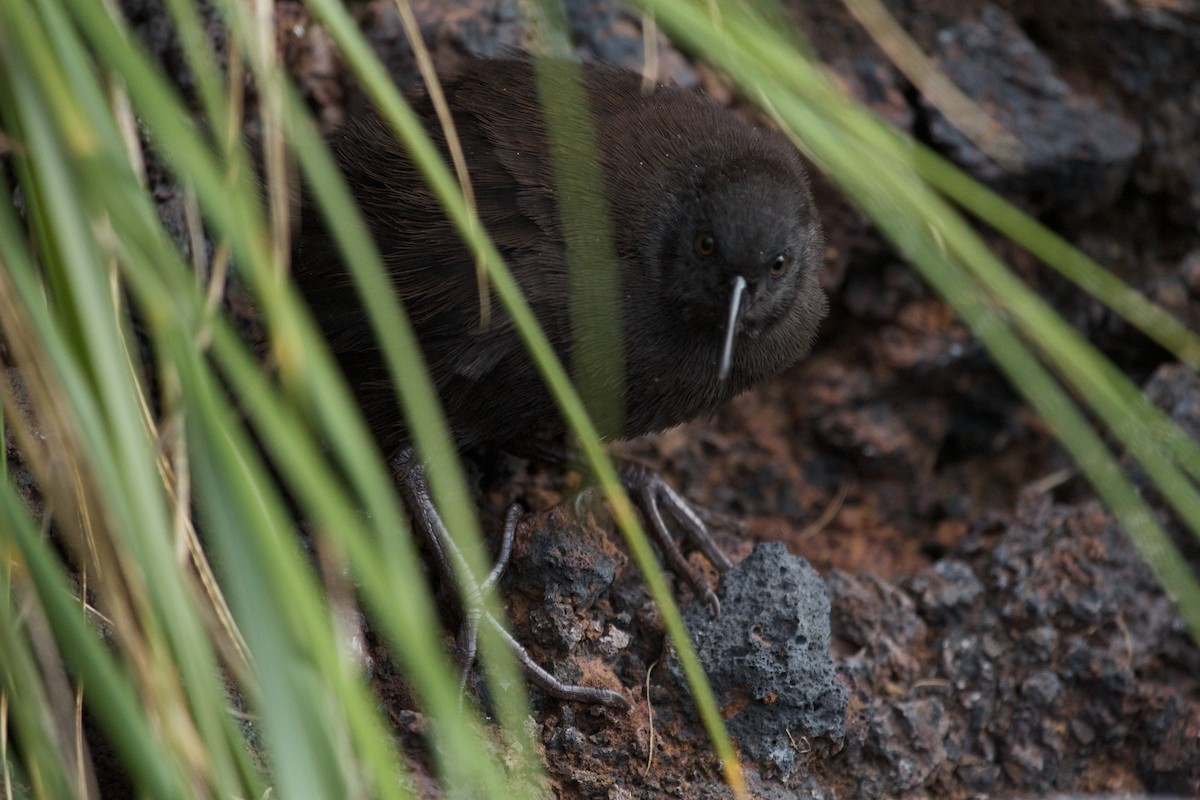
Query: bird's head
[[740, 255]]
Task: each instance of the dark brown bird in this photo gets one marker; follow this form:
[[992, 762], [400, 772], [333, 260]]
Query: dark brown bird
[[717, 242]]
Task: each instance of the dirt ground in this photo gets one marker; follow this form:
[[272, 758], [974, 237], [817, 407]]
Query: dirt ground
[[994, 634]]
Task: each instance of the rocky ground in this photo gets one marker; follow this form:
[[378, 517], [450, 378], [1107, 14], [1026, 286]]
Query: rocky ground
[[994, 634]]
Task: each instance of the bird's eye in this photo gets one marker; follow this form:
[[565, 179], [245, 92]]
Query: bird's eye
[[779, 265], [704, 243]]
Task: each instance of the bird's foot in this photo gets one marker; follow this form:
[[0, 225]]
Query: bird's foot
[[653, 495], [657, 500], [451, 566]]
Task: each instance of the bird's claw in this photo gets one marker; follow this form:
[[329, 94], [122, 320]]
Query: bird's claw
[[651, 493]]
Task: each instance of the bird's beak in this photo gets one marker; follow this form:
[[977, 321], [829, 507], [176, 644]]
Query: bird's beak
[[735, 308]]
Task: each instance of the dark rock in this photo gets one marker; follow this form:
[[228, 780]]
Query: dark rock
[[1175, 389], [1075, 154], [567, 738], [567, 565], [767, 655], [601, 30], [555, 624], [1042, 687], [948, 587], [1028, 661], [911, 738], [880, 621], [1148, 55]]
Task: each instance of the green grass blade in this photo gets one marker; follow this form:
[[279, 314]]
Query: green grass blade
[[112, 696], [24, 691], [149, 93]]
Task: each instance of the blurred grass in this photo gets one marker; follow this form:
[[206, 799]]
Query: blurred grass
[[180, 690]]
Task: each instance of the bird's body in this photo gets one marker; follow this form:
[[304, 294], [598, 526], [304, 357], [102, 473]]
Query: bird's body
[[696, 197]]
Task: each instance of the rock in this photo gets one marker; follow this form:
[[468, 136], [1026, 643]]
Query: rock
[[767, 656], [1076, 155]]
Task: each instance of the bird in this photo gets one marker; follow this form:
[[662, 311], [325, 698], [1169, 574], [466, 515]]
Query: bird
[[716, 250]]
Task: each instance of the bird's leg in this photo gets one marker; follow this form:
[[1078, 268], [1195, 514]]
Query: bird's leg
[[451, 566], [652, 495], [468, 634]]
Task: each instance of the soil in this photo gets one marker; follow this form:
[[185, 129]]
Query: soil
[[993, 633]]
